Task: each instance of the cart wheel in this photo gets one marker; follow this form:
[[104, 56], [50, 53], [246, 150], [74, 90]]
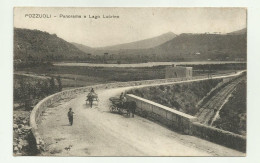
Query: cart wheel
[[112, 108], [128, 113]]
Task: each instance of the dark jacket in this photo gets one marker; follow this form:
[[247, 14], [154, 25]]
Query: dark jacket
[[70, 114]]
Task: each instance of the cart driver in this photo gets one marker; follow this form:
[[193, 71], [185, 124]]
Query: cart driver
[[92, 90], [122, 98]]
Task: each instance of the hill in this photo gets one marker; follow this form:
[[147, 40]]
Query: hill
[[193, 47], [204, 44], [42, 46], [238, 32], [38, 45], [142, 44], [84, 48]]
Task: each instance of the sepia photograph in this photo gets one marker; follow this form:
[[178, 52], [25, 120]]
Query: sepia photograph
[[130, 81]]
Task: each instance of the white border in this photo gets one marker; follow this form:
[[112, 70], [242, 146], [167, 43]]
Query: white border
[[6, 54]]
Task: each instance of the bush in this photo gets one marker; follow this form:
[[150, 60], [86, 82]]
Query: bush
[[28, 91]]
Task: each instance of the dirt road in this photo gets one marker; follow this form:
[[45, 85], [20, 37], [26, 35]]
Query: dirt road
[[97, 132]]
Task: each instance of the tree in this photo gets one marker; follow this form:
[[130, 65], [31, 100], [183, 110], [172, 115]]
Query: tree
[[25, 94], [59, 83], [52, 85], [18, 93], [38, 90]]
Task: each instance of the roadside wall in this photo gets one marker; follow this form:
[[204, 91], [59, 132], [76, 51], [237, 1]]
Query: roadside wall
[[219, 136], [172, 118], [185, 123], [43, 104]]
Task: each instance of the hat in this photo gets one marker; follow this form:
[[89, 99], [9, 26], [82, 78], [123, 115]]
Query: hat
[[70, 108]]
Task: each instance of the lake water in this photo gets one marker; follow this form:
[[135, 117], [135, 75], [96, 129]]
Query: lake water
[[148, 64]]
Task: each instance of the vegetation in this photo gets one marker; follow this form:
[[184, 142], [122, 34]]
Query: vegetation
[[28, 91], [215, 67], [207, 45], [232, 116], [34, 52], [182, 97], [35, 45], [23, 139], [38, 46], [31, 64], [83, 76]]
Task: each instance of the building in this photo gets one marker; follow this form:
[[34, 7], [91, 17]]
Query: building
[[178, 72]]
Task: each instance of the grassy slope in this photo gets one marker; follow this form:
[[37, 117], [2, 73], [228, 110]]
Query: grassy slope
[[182, 97], [233, 114], [38, 45], [82, 76]]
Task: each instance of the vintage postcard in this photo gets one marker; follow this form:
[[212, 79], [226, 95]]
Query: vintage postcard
[[129, 81]]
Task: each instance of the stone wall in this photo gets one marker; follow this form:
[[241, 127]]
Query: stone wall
[[185, 123], [172, 118], [219, 136]]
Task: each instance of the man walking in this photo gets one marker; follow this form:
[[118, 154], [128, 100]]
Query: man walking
[[70, 116]]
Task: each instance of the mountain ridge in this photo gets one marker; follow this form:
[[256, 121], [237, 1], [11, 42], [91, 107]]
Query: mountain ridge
[[142, 44], [44, 46], [238, 32]]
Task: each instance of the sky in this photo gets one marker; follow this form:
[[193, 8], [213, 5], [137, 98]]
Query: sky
[[133, 23]]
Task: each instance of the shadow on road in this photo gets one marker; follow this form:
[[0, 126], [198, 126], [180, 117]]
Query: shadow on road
[[66, 125]]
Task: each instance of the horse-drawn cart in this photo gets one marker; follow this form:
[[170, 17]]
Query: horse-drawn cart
[[118, 105], [91, 98]]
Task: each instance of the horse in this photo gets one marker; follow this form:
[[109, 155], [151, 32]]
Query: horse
[[130, 107], [90, 100], [92, 97]]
